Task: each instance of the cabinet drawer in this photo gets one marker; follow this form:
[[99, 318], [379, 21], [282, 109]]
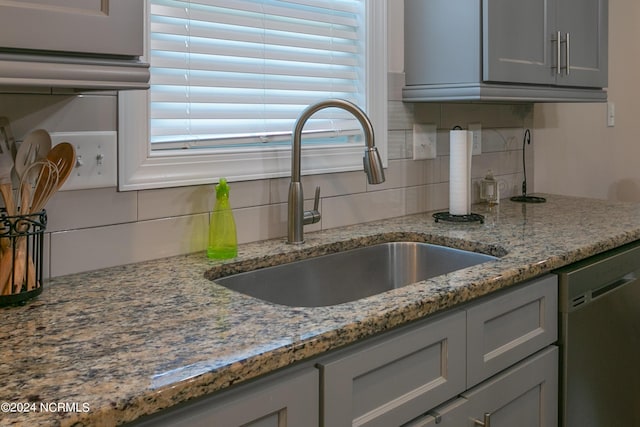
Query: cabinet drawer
[[524, 395], [281, 400], [510, 326], [391, 381]]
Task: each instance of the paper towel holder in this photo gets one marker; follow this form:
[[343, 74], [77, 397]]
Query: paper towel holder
[[458, 218], [447, 217]]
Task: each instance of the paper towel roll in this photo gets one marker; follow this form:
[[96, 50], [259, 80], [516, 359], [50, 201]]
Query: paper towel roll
[[460, 172]]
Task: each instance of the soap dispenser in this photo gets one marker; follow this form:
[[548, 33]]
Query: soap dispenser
[[223, 240]]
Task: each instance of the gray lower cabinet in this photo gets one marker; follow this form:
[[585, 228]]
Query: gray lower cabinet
[[524, 395], [511, 50], [288, 399], [389, 380], [510, 326]]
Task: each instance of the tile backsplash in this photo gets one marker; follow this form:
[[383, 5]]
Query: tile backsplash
[[91, 229]]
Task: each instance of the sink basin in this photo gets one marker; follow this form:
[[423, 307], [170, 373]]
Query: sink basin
[[352, 274]]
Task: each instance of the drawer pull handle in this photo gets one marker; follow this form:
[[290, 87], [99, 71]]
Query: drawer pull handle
[[486, 421]]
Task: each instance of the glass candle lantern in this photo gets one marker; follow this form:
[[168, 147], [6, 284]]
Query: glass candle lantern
[[489, 189]]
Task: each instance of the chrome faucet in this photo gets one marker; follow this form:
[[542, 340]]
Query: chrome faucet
[[297, 216]]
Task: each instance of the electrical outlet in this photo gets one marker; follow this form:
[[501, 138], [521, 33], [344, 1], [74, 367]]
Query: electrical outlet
[[425, 138], [96, 159], [476, 130]]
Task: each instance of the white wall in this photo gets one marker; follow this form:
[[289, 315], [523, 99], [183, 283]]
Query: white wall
[[575, 152]]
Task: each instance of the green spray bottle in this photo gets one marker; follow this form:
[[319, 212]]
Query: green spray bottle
[[223, 240]]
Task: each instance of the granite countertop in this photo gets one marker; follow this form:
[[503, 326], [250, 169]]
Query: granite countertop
[[118, 343]]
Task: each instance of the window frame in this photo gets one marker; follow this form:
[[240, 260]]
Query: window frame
[[139, 169]]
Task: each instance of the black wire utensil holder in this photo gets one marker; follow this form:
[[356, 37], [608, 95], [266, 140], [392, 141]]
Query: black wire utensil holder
[[21, 256]]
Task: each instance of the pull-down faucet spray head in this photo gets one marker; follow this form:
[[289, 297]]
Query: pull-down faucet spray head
[[373, 166]]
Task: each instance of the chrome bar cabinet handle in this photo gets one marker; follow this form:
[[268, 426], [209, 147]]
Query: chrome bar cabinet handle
[[486, 421]]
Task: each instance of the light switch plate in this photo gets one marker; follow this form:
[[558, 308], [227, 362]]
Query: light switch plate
[[96, 159], [611, 114], [425, 138]]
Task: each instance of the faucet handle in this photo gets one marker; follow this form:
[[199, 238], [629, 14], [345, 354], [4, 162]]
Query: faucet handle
[[313, 216], [316, 199]]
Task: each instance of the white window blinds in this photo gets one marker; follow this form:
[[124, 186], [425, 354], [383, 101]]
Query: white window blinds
[[229, 72]]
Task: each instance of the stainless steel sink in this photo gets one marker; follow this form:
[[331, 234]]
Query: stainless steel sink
[[352, 274]]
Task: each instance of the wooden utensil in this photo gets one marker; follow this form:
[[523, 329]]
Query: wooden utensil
[[27, 166], [7, 152], [7, 134], [6, 165], [53, 172], [35, 147], [23, 263], [63, 156]]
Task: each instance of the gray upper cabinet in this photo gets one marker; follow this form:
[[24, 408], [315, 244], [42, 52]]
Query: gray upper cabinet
[[73, 43], [506, 50]]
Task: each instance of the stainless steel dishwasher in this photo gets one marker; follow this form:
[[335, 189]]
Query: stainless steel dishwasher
[[600, 340]]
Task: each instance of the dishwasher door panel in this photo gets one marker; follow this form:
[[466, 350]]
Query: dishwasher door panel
[[600, 347]]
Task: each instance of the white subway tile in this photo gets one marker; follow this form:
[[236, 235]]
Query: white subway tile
[[261, 222], [362, 207], [68, 210], [397, 147], [400, 115], [395, 83], [166, 202], [93, 248], [428, 112], [427, 198], [330, 185], [407, 173]]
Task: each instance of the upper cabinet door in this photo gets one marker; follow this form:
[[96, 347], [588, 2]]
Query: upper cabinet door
[[505, 50], [102, 27], [518, 45], [558, 42], [585, 24]]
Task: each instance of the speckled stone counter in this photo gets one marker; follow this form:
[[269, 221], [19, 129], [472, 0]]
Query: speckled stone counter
[[119, 343]]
